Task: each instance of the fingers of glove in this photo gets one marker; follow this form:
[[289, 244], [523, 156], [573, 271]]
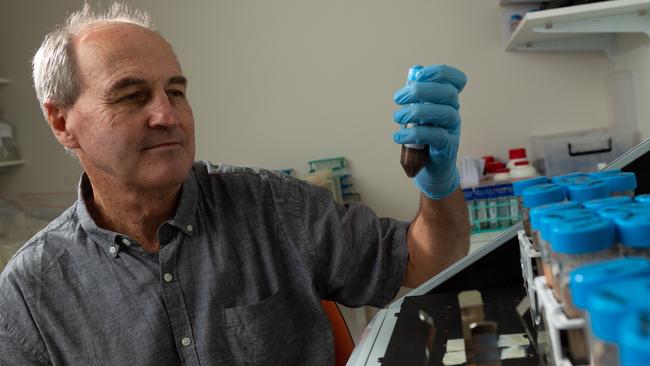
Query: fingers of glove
[[442, 74], [427, 92], [437, 138], [430, 114]]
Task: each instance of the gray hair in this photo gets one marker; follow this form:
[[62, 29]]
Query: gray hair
[[55, 72]]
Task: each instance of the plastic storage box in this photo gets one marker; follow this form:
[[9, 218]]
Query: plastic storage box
[[580, 150]]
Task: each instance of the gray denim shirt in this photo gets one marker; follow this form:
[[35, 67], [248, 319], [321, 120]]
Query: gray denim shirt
[[239, 277]]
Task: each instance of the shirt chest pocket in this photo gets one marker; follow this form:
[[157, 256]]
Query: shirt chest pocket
[[264, 332]]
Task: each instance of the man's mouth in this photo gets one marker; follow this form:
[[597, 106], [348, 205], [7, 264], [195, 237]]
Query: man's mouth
[[164, 145]]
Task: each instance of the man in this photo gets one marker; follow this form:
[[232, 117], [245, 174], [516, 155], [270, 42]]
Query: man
[[167, 261]]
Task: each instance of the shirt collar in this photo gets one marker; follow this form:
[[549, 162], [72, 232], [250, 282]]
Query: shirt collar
[[184, 219]]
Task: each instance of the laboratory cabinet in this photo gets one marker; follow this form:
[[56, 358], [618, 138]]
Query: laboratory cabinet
[[588, 27]]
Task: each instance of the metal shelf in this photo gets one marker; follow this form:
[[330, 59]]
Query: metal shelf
[[589, 27]]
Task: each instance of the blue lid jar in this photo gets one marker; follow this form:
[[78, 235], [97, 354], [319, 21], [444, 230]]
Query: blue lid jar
[[542, 194], [601, 173], [537, 213], [620, 182], [595, 205], [502, 192], [609, 303], [469, 195], [490, 193], [582, 236], [561, 178], [587, 190], [547, 221], [634, 339], [479, 194], [634, 229], [519, 186], [584, 279], [642, 198]]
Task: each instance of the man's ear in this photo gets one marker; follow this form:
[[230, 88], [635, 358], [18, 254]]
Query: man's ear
[[57, 119]]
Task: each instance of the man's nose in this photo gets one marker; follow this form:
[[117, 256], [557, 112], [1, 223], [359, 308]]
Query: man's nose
[[162, 113]]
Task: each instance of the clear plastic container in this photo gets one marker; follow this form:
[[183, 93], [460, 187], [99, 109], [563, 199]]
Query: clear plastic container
[[503, 207], [536, 215], [513, 201], [480, 204], [607, 306], [536, 196], [471, 211], [550, 264], [634, 339], [492, 213], [518, 188], [578, 241], [620, 184], [634, 234]]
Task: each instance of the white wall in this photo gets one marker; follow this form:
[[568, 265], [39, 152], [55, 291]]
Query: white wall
[[278, 83]]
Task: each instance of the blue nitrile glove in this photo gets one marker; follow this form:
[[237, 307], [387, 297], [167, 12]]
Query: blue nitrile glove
[[430, 99]]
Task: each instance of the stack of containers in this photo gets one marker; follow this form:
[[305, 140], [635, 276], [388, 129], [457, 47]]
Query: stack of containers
[[535, 196], [491, 207]]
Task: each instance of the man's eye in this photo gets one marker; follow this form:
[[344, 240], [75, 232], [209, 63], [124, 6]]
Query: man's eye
[[175, 93], [133, 97]]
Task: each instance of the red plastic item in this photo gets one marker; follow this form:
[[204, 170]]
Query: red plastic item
[[493, 166], [522, 162], [488, 159], [519, 153]]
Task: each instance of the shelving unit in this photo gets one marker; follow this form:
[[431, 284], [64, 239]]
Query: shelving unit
[[589, 27]]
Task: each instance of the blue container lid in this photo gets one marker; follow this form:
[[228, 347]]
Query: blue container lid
[[587, 190], [584, 279], [547, 221], [611, 302], [490, 193], [642, 198], [542, 194], [634, 339], [502, 192], [537, 213], [582, 236], [479, 194], [620, 182], [561, 178], [601, 173], [595, 205], [519, 186], [634, 229]]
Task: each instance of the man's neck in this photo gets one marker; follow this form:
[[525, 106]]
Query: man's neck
[[136, 213]]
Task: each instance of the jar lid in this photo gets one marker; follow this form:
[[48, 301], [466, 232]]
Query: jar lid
[[469, 195], [490, 193], [537, 213], [601, 173], [587, 190], [642, 198], [542, 194], [582, 236], [522, 162], [620, 182], [634, 229], [519, 153], [612, 301], [595, 205], [612, 212], [584, 279], [634, 338], [562, 178], [547, 221], [519, 186]]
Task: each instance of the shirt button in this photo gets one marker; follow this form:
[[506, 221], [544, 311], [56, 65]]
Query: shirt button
[[185, 341], [126, 241], [167, 277], [190, 228], [113, 250]]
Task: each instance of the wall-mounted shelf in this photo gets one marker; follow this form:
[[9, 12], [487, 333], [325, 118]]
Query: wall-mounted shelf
[[589, 27], [9, 164]]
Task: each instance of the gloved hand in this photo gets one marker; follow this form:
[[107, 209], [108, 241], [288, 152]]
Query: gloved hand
[[430, 99]]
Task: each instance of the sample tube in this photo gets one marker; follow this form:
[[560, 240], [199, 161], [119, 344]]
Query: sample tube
[[539, 195], [480, 204], [493, 214], [586, 189], [471, 211], [513, 201], [518, 188], [503, 207], [620, 184], [414, 156], [634, 234], [597, 204]]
